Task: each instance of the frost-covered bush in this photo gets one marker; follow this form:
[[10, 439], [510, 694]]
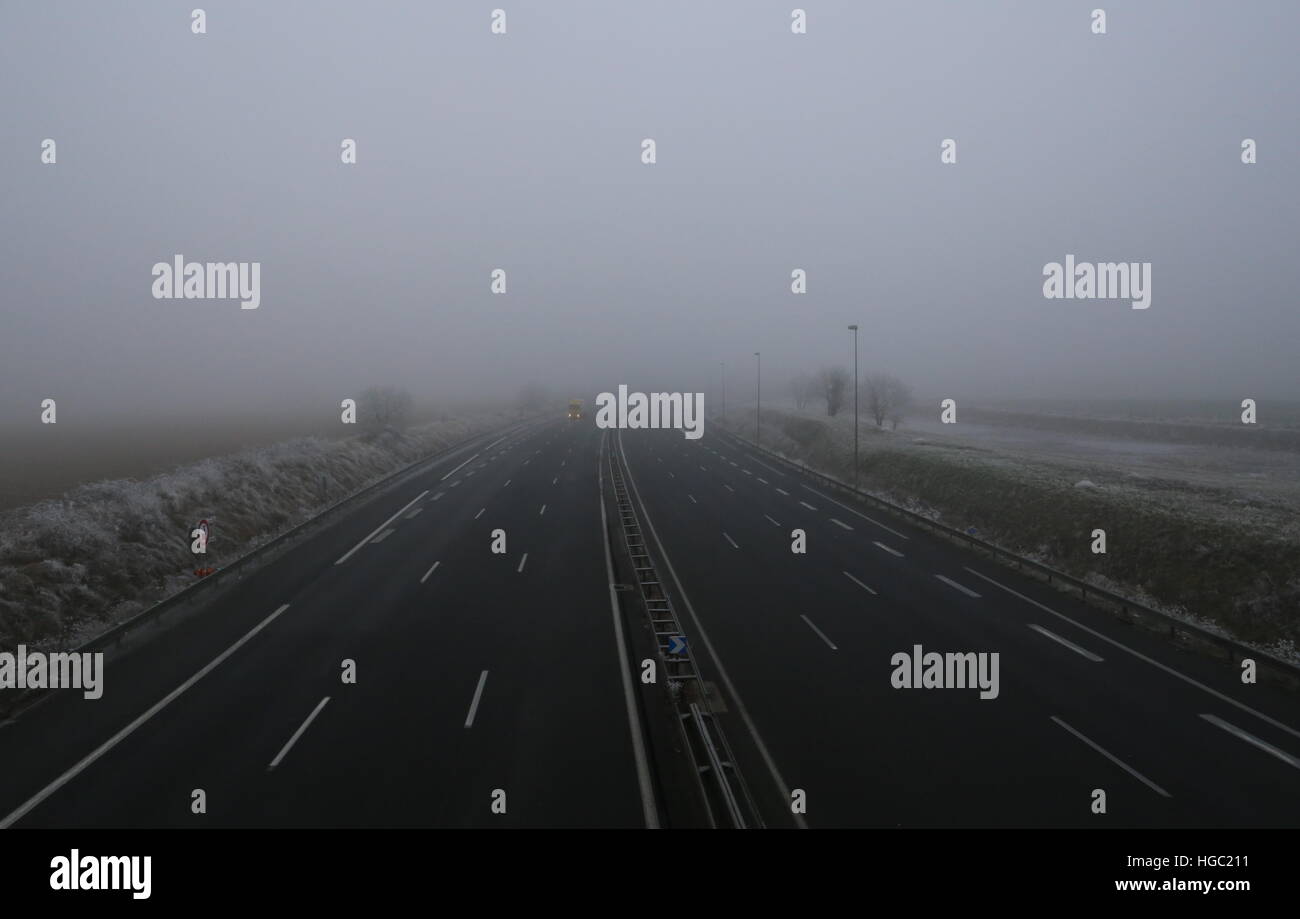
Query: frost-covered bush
[[108, 549]]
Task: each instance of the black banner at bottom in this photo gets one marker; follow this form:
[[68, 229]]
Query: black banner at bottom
[[334, 867]]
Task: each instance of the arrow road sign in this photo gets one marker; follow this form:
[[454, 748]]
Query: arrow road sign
[[676, 644]]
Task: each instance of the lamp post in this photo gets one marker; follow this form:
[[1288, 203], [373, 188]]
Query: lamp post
[[724, 390], [854, 329], [758, 394]]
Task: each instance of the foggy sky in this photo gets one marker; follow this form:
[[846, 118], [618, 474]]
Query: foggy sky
[[522, 151]]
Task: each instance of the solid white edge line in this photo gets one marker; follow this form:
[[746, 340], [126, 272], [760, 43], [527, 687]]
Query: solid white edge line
[[461, 466], [478, 694], [1065, 641], [296, 734], [819, 632], [375, 532], [775, 773], [1116, 760], [859, 513], [1253, 740], [648, 807], [955, 586], [1138, 654], [121, 735]]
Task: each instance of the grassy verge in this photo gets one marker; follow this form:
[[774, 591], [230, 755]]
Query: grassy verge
[[72, 567], [1213, 568]]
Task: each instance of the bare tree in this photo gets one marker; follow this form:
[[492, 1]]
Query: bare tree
[[833, 381], [384, 407], [887, 398], [803, 389]]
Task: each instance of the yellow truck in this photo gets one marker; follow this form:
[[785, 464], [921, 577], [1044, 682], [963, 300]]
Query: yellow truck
[[575, 409]]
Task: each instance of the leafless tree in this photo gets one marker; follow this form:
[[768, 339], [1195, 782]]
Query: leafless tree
[[803, 389], [887, 398], [833, 381], [384, 407]]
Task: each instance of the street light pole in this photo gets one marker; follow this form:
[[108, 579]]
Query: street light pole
[[758, 394], [724, 390], [854, 329]]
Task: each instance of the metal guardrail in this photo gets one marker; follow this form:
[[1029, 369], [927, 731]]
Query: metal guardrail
[[222, 576], [726, 791], [1282, 671]]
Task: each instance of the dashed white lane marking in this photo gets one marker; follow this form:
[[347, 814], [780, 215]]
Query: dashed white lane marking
[[415, 513], [881, 545], [841, 523], [478, 694], [384, 535], [121, 735], [562, 462], [955, 586], [480, 513], [542, 511], [728, 488], [807, 505], [554, 480], [454, 484], [1067, 643], [703, 469], [782, 491], [671, 476], [347, 555], [730, 540], [1140, 656], [437, 496], [522, 562], [430, 571], [857, 513], [819, 632], [470, 473], [774, 523], [746, 471], [508, 481], [764, 481], [1118, 762], [1253, 740], [860, 584], [298, 733], [692, 497]]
